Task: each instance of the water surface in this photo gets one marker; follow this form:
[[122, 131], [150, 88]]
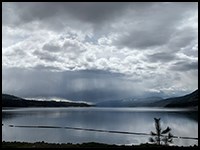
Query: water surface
[[181, 121]]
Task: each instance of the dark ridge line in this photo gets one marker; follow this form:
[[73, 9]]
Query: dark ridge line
[[96, 130]]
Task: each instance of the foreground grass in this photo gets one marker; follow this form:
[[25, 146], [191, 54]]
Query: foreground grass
[[84, 145]]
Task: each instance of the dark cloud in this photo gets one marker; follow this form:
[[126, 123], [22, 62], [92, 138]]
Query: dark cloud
[[184, 66], [45, 56], [155, 26], [88, 12], [96, 13], [162, 57], [182, 38], [100, 50], [143, 39], [75, 85], [45, 68], [51, 47]]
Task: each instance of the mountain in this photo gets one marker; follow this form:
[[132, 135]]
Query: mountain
[[13, 101], [129, 102], [189, 100]]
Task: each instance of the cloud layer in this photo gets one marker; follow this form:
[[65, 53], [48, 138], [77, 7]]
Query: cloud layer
[[151, 45]]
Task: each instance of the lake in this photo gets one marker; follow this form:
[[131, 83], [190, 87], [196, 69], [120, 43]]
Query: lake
[[141, 120]]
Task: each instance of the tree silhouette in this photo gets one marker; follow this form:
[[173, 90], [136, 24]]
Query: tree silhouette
[[161, 136]]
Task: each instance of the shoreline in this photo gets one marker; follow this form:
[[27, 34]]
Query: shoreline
[[6, 144]]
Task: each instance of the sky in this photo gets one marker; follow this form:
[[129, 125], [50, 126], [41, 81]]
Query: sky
[[96, 51]]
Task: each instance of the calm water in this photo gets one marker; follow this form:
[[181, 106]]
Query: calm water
[[183, 123]]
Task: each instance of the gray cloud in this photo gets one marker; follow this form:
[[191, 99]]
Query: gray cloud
[[91, 85], [87, 12], [45, 68], [182, 38], [45, 56], [96, 13], [99, 50], [16, 52], [184, 66], [143, 39], [152, 28], [162, 56], [51, 47]]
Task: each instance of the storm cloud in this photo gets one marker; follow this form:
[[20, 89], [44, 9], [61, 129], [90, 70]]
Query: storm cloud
[[96, 51], [91, 85]]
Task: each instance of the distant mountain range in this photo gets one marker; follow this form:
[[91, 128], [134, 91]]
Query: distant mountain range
[[13, 101], [129, 102], [190, 100]]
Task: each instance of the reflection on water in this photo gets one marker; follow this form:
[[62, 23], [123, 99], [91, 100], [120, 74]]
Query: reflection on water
[[182, 122]]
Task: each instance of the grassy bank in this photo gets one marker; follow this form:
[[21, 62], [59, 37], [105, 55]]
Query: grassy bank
[[84, 145]]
